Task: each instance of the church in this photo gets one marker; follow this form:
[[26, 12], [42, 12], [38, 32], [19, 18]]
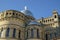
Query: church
[[21, 25]]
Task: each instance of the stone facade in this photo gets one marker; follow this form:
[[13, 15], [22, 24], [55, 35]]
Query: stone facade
[[52, 25], [15, 25]]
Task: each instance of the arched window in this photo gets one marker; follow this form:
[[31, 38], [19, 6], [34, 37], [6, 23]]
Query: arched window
[[55, 16], [6, 13], [16, 14], [50, 19], [46, 20], [27, 33], [19, 34], [51, 35], [37, 33], [7, 32], [55, 34], [32, 33], [46, 36], [14, 32], [10, 13], [1, 29], [13, 13]]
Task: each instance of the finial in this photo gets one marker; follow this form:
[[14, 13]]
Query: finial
[[26, 8]]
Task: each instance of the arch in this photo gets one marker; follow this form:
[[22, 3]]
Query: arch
[[27, 34], [46, 35], [6, 13], [14, 32], [38, 33], [55, 16], [19, 34], [13, 13], [55, 35], [7, 32], [32, 33]]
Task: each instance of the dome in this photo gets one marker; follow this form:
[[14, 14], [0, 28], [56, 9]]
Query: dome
[[34, 22], [27, 12]]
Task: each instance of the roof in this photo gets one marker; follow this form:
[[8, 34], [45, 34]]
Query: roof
[[34, 23]]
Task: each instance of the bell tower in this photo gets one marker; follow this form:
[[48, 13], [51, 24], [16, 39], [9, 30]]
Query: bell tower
[[55, 17]]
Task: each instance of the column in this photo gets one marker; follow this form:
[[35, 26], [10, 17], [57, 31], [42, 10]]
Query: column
[[22, 35], [3, 34], [48, 36], [35, 33], [29, 33], [11, 33], [17, 33], [40, 34]]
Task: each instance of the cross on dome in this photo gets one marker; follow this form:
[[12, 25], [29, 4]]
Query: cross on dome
[[26, 8]]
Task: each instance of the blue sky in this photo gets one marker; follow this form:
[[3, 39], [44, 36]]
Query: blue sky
[[39, 8]]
